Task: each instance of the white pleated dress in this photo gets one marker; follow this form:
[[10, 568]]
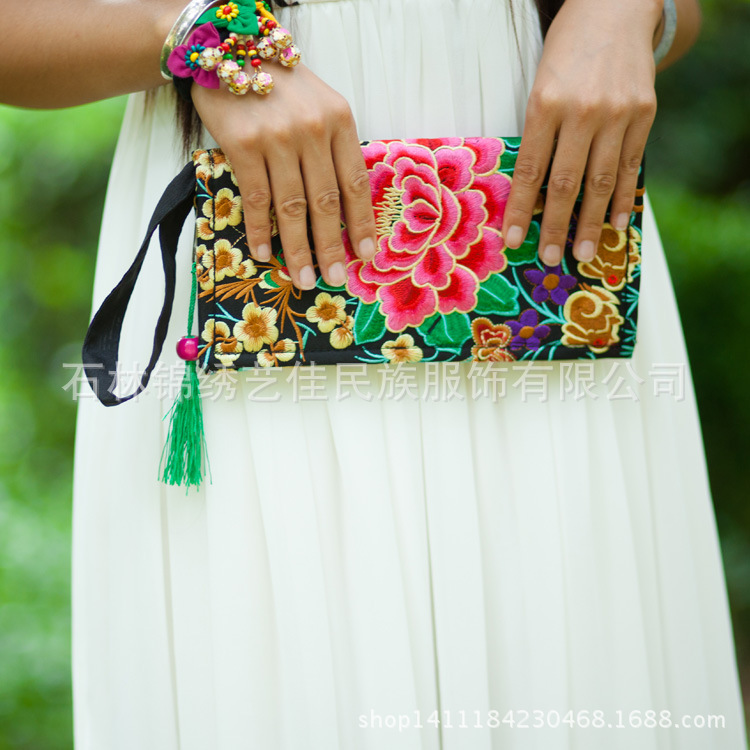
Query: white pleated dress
[[401, 573]]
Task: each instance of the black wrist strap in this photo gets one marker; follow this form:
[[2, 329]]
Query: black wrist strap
[[102, 342]]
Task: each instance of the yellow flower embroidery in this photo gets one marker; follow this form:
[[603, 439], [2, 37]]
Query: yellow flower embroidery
[[247, 269], [281, 351], [257, 327], [203, 229], [225, 260], [403, 349], [228, 351], [342, 336], [226, 346], [203, 164], [207, 334], [205, 278], [225, 208], [327, 311]]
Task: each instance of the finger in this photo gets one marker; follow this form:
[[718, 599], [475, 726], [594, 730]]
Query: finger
[[563, 189], [599, 184], [252, 179], [534, 154], [356, 195], [324, 205], [290, 205], [633, 146]]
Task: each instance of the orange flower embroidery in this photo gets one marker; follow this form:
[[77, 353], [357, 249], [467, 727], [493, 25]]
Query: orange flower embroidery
[[490, 341], [593, 319]]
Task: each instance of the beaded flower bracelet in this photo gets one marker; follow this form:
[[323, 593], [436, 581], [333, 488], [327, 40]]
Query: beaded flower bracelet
[[224, 40]]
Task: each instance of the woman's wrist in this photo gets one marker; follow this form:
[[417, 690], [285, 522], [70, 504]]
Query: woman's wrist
[[654, 9], [643, 17], [652, 14]]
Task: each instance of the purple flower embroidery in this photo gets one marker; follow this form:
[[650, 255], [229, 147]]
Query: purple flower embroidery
[[527, 333], [551, 283], [183, 61]]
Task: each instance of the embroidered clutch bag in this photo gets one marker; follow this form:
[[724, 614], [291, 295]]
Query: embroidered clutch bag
[[441, 286]]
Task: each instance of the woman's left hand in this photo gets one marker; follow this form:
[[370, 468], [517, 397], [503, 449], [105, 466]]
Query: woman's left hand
[[594, 95]]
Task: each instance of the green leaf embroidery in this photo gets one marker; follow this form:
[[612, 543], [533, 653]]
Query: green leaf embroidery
[[508, 160], [510, 154], [446, 332], [497, 296], [320, 284], [369, 323], [268, 279]]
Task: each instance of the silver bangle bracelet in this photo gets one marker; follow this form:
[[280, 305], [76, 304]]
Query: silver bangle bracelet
[[181, 29], [670, 28]]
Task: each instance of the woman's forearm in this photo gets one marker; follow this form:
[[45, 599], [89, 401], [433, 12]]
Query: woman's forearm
[[60, 54], [688, 28]]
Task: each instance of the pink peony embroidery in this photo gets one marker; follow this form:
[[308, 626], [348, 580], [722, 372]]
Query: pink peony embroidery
[[438, 208]]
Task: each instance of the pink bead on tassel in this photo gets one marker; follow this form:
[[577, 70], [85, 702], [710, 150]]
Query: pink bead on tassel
[[187, 348]]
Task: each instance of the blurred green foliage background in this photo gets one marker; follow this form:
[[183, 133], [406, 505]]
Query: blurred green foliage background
[[52, 182]]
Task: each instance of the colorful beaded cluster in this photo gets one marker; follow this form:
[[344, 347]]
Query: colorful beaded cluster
[[235, 59]]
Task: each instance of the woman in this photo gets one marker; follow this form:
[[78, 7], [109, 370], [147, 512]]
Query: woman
[[359, 573]]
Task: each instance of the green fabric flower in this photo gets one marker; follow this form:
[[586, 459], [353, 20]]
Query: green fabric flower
[[237, 16]]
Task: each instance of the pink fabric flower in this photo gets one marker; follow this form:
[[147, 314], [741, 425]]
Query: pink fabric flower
[[183, 61], [439, 207]]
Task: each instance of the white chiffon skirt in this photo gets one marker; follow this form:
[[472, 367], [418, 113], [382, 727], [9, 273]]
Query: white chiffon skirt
[[402, 572]]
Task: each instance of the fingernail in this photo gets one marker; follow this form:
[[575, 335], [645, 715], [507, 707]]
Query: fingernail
[[622, 221], [514, 238], [551, 255], [263, 252], [307, 277], [337, 274], [586, 250], [366, 248]]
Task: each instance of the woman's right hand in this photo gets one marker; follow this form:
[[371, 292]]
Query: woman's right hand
[[296, 148]]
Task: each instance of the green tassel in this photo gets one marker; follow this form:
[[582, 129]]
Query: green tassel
[[184, 455]]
